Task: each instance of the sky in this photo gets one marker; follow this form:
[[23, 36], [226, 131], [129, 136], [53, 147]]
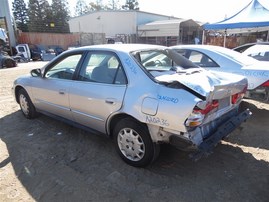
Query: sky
[[199, 10]]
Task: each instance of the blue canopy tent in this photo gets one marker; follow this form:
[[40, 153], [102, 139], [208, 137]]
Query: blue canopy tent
[[252, 18]]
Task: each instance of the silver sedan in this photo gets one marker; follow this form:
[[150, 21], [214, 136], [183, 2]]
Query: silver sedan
[[139, 95]]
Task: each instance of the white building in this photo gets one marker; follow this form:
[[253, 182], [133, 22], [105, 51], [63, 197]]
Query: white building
[[170, 32], [137, 26], [121, 24]]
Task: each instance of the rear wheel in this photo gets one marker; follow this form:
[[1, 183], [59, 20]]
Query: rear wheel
[[26, 105], [133, 143]]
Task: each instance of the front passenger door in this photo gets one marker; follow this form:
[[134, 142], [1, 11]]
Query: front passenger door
[[51, 92]]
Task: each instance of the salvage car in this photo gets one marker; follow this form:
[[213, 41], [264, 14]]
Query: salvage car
[[222, 59], [57, 49], [258, 51], [245, 46], [127, 93]]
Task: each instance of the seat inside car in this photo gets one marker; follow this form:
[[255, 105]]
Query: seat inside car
[[102, 74]]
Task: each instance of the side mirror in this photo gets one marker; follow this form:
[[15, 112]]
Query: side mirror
[[36, 73]]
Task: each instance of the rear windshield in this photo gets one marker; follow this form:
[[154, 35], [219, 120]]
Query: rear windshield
[[162, 60]]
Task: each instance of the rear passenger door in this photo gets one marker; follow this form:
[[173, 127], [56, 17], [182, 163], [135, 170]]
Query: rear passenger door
[[99, 89]]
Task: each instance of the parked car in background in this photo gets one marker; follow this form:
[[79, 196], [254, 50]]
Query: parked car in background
[[6, 61], [57, 49], [243, 47], [36, 52], [258, 51], [139, 95], [72, 47], [48, 54], [222, 59], [42, 51]]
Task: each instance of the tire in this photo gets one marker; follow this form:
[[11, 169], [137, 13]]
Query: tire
[[10, 63], [134, 144], [26, 105]]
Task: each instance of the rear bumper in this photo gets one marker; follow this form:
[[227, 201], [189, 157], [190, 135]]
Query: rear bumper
[[223, 131]]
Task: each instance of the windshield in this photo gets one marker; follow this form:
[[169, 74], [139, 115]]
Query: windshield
[[162, 60]]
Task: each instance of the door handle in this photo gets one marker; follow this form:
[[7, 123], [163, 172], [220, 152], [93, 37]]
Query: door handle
[[62, 91], [110, 101]]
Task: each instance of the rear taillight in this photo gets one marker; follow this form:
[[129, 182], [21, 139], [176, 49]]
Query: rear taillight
[[209, 107], [238, 96], [235, 98], [265, 84], [197, 116]]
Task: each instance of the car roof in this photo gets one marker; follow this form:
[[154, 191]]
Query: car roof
[[201, 47], [120, 47], [225, 52]]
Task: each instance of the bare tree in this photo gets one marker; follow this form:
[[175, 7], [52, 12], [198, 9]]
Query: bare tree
[[81, 8]]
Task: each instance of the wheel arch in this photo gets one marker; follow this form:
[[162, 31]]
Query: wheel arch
[[149, 149], [116, 118], [16, 92]]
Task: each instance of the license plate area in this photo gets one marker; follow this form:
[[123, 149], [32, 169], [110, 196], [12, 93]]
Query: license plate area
[[224, 102]]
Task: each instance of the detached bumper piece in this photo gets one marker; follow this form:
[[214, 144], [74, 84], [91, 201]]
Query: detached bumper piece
[[206, 147]]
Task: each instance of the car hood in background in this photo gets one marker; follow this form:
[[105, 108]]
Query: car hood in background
[[211, 84]]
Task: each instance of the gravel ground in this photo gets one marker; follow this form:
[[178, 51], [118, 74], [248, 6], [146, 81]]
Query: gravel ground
[[47, 160]]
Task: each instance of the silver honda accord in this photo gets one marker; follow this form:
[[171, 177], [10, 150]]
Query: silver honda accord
[[139, 95]]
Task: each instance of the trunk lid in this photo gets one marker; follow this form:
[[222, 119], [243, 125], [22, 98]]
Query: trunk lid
[[209, 84]]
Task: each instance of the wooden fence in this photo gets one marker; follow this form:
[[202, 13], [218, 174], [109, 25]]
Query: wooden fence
[[63, 40]]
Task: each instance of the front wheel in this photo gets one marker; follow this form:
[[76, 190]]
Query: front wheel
[[26, 105], [134, 144]]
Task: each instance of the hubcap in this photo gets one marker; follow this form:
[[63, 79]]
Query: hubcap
[[131, 144], [24, 104]]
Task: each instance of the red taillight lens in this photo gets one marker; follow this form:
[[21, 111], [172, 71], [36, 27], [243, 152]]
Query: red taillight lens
[[197, 116], [209, 107], [265, 84], [235, 98]]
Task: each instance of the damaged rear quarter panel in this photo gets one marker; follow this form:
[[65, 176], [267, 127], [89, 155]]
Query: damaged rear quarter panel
[[175, 105], [169, 108]]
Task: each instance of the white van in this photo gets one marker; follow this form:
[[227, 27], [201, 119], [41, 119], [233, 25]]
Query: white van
[[24, 50]]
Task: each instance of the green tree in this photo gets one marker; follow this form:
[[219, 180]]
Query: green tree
[[131, 5], [49, 19], [113, 5], [60, 16], [20, 14], [81, 8], [38, 12]]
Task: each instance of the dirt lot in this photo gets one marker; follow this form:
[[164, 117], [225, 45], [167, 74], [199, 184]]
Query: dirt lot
[[46, 160]]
